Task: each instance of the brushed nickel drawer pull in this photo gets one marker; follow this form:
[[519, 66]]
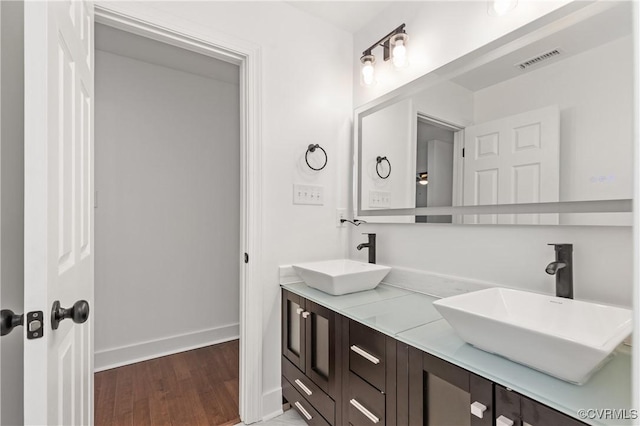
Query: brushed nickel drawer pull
[[302, 410], [303, 387], [364, 411], [364, 354]]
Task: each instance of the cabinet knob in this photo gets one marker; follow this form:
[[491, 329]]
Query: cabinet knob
[[305, 314], [299, 311], [478, 409], [504, 421]]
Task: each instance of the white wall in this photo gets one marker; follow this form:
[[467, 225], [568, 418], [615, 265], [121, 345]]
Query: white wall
[[167, 222], [447, 102], [307, 87], [11, 202], [512, 256]]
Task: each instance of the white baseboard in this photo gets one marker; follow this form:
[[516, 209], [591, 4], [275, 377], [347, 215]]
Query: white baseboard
[[272, 404], [125, 355]]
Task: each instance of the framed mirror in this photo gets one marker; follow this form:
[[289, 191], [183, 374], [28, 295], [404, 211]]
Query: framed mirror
[[535, 128]]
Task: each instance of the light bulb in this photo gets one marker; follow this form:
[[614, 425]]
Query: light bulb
[[501, 7], [399, 54], [399, 50], [367, 73], [368, 70]]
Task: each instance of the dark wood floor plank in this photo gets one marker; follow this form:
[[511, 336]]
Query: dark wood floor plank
[[123, 413], [198, 387]]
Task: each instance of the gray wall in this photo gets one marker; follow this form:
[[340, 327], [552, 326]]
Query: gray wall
[[167, 221], [11, 202]]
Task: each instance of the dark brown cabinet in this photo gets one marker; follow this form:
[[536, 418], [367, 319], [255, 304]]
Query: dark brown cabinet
[[443, 394], [293, 329], [513, 409], [310, 345], [337, 371], [371, 379]]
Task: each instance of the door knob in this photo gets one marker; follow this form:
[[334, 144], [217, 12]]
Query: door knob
[[9, 321], [79, 313]]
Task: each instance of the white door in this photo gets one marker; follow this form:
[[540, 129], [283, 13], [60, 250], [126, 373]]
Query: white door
[[513, 160], [58, 364]]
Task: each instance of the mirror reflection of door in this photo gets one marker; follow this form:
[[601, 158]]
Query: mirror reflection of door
[[510, 160]]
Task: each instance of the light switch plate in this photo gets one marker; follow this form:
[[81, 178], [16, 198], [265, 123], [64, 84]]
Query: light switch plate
[[379, 199], [308, 194]]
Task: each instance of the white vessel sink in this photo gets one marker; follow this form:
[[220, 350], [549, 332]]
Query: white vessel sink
[[568, 339], [341, 276]]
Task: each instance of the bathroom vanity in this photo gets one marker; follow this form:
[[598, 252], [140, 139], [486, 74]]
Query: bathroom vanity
[[385, 356]]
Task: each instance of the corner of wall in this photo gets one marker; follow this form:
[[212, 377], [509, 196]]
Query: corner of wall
[[272, 404]]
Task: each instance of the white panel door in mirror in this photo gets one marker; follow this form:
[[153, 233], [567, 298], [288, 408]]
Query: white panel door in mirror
[[514, 159]]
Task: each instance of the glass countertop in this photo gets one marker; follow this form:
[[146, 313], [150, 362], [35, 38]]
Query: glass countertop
[[410, 317]]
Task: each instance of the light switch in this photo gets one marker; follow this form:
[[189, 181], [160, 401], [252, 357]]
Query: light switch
[[308, 194], [379, 199]]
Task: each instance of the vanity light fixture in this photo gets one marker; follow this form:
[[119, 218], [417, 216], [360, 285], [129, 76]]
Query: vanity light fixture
[[500, 7], [422, 178], [394, 47]]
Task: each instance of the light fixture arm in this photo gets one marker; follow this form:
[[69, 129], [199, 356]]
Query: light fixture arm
[[384, 43]]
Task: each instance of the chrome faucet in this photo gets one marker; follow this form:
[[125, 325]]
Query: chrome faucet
[[562, 268], [371, 245]]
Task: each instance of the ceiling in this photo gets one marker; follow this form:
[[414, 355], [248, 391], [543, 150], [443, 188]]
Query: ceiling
[[347, 15]]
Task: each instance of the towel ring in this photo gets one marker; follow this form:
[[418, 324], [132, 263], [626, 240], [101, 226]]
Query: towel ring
[[312, 148], [380, 160]]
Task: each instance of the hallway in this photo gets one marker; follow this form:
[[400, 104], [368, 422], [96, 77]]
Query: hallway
[[198, 387]]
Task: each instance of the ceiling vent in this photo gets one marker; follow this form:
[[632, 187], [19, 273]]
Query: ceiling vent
[[538, 59]]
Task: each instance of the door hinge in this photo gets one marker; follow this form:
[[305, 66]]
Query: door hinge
[[246, 258], [35, 322], [462, 152]]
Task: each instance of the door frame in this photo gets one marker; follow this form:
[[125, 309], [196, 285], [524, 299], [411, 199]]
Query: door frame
[[248, 57]]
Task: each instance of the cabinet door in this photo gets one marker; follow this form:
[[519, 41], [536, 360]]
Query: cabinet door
[[522, 411], [536, 414], [321, 346], [293, 329], [453, 396]]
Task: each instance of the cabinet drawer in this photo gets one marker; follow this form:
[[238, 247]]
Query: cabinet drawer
[[309, 390], [308, 413], [367, 354], [366, 403]]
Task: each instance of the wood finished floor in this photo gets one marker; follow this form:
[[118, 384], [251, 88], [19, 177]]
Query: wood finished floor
[[198, 387]]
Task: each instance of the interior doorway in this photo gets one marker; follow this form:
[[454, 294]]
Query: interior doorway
[[438, 149], [167, 210]]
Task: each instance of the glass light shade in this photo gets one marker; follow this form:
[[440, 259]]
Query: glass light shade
[[399, 50], [368, 70]]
